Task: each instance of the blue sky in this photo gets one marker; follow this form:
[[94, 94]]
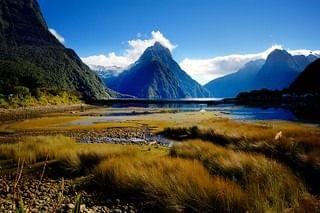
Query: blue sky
[[200, 28]]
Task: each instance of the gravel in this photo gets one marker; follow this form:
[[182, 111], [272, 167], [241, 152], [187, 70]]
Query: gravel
[[55, 195]]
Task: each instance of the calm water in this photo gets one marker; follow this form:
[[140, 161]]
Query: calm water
[[256, 113], [235, 111]]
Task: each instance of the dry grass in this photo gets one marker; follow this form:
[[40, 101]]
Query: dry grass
[[271, 187], [172, 185], [76, 157], [198, 176], [305, 135], [299, 147], [41, 123]]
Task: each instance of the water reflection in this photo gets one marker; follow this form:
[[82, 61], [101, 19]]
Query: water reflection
[[237, 112]]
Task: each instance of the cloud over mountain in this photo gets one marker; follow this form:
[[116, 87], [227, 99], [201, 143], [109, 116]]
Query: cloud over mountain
[[204, 70], [57, 35], [135, 49]]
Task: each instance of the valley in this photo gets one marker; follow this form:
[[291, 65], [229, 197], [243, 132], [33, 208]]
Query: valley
[[76, 149], [101, 112]]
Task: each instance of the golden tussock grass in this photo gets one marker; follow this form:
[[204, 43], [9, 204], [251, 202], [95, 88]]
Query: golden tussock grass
[[196, 176], [299, 143], [271, 186], [75, 156], [171, 184]]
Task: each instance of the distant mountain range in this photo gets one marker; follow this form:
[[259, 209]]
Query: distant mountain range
[[242, 80], [156, 75], [308, 80], [278, 71], [32, 57]]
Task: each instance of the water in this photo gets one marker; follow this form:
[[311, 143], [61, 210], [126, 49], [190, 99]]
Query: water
[[256, 113], [237, 112]]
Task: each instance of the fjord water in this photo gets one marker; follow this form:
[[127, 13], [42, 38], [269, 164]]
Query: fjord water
[[236, 112], [257, 113]]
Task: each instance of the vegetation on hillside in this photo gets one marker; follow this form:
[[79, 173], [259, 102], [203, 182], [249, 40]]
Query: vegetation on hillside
[[32, 57], [22, 97]]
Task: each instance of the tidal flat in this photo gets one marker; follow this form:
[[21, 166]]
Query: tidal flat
[[163, 160]]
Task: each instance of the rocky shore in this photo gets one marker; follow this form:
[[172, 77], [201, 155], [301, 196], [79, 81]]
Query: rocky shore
[[22, 113], [127, 135], [55, 195]]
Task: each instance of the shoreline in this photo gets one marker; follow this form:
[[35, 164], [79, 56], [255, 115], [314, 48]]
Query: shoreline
[[21, 113]]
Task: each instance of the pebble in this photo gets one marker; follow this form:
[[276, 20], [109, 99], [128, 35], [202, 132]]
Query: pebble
[[38, 197], [126, 135], [70, 206]]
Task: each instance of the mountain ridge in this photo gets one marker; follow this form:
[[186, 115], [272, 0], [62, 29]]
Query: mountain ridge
[[162, 77], [278, 71], [28, 51], [308, 80]]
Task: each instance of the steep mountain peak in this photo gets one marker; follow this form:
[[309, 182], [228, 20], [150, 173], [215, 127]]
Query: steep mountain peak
[[156, 52], [280, 60], [22, 23], [157, 75], [158, 47], [278, 55], [32, 57]]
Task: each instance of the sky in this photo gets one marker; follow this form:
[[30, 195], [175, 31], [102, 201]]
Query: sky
[[208, 38]]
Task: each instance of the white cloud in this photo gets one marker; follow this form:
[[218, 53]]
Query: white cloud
[[57, 35], [131, 54], [202, 70], [205, 70], [304, 52]]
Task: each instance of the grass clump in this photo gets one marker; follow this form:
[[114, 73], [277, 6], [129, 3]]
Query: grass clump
[[171, 184], [193, 176], [78, 158], [35, 149], [298, 148], [271, 186]]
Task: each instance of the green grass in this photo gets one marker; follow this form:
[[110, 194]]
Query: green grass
[[43, 98]]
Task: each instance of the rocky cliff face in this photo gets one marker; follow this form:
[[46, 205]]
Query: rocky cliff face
[[31, 56]]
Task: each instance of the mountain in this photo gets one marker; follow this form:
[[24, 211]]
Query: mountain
[[105, 72], [278, 71], [302, 61], [312, 57], [32, 57], [242, 80], [157, 75], [308, 80]]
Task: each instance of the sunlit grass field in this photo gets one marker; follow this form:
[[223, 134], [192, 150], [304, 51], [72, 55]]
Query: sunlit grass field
[[216, 164], [190, 176]]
